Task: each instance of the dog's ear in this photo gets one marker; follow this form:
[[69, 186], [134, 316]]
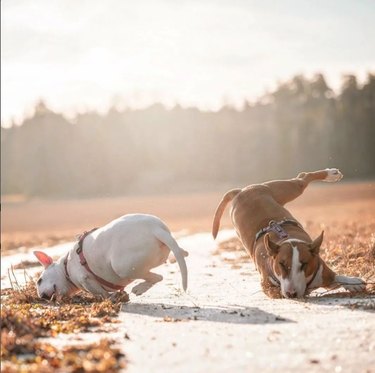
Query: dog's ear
[[272, 247], [315, 245], [44, 259]]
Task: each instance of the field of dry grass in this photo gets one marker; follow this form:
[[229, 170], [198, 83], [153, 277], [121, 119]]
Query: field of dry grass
[[28, 223]]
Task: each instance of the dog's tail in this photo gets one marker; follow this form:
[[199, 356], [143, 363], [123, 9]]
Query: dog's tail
[[220, 209], [166, 238]]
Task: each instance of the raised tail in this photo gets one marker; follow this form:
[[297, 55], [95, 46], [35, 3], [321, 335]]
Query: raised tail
[[220, 209], [166, 238]]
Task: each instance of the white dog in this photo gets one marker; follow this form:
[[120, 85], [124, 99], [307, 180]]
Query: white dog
[[107, 259]]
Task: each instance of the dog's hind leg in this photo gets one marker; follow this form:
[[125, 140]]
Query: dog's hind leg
[[330, 175], [150, 280], [284, 191]]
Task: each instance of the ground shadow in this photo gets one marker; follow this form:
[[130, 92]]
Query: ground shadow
[[360, 302], [227, 314]]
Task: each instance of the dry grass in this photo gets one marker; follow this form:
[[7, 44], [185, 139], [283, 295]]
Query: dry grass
[[23, 241], [26, 318], [30, 223], [45, 358], [26, 264], [351, 250]]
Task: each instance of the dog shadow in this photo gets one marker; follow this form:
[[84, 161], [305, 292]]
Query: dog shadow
[[234, 314]]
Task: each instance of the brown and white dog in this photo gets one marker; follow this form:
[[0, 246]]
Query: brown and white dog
[[284, 254]]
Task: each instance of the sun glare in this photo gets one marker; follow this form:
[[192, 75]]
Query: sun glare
[[80, 54]]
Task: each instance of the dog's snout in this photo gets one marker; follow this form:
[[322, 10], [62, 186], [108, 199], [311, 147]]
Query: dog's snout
[[291, 294]]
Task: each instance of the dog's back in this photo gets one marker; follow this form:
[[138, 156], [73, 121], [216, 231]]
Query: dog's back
[[133, 244], [251, 209]]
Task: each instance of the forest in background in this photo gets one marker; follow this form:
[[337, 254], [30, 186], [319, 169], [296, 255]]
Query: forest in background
[[301, 125]]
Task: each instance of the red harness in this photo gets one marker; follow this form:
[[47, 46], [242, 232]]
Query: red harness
[[84, 263]]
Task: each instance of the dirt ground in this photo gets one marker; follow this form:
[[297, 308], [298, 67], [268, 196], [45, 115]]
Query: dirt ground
[[225, 322]]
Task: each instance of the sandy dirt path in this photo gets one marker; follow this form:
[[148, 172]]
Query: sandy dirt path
[[225, 323]]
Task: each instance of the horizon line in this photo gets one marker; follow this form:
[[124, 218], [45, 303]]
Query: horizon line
[[124, 103]]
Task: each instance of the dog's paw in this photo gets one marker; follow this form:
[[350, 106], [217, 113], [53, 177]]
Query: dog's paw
[[333, 175], [119, 296], [355, 288], [352, 284], [172, 258]]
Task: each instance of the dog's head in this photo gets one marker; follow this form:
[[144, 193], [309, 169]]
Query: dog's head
[[294, 263], [52, 281]]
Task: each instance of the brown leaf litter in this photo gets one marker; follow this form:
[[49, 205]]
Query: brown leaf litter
[[26, 319]]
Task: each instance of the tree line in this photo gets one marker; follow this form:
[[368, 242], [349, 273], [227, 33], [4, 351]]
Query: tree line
[[301, 125]]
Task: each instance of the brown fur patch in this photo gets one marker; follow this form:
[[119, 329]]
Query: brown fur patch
[[283, 261]]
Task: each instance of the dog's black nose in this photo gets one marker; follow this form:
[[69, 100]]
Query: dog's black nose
[[291, 294], [44, 296]]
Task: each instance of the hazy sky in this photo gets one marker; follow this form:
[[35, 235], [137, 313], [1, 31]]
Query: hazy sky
[[81, 55]]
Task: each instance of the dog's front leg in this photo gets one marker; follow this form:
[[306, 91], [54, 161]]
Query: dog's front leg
[[271, 290], [92, 286], [330, 280], [352, 284]]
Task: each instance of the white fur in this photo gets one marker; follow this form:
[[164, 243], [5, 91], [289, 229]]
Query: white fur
[[124, 250], [296, 281], [333, 175], [291, 240], [350, 283]]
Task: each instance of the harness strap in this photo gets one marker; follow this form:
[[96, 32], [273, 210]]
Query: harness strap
[[270, 272], [84, 263], [277, 228], [67, 273], [313, 278]]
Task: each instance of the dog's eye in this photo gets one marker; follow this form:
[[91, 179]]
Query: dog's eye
[[283, 266], [303, 266], [39, 281]]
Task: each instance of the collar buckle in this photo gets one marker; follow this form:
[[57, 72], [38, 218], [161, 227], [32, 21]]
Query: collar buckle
[[276, 227]]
